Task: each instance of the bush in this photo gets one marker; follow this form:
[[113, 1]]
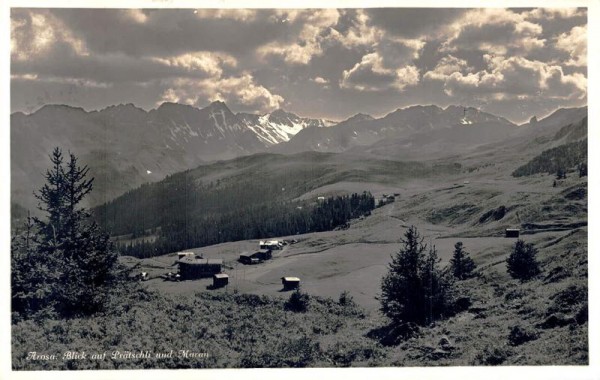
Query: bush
[[492, 356], [519, 335], [346, 299], [415, 290], [522, 263], [298, 302]]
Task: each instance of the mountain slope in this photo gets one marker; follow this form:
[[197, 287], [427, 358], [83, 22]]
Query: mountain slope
[[126, 146]]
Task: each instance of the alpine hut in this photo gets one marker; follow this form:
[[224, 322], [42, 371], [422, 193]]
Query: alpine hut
[[193, 267], [220, 280], [290, 283], [249, 258]]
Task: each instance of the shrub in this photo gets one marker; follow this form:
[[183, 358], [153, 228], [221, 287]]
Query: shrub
[[522, 263], [519, 335], [492, 356], [298, 302], [346, 299]]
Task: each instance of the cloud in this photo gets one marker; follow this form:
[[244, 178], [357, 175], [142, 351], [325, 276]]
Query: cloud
[[320, 80], [413, 23], [372, 59], [505, 78], [359, 32], [244, 15], [34, 34], [446, 67], [575, 43], [315, 26], [371, 75], [208, 62], [494, 30], [554, 13], [240, 93], [171, 32]]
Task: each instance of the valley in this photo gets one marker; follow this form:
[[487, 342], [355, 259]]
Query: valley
[[466, 194]]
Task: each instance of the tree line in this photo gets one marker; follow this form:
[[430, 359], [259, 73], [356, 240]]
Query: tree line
[[556, 160], [253, 221]]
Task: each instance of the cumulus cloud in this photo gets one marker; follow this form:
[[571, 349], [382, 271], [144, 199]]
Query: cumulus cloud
[[447, 66], [512, 77], [320, 80], [371, 75], [35, 33], [494, 30], [359, 32], [554, 13], [208, 62], [316, 25], [575, 43], [241, 93]]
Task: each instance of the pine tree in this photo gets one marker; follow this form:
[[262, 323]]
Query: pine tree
[[73, 260], [414, 290], [461, 264], [522, 263]]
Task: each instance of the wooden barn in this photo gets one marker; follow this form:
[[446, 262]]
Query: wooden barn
[[290, 283], [249, 258], [512, 232], [220, 280], [193, 267]]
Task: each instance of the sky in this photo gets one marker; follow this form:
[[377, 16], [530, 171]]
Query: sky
[[326, 63]]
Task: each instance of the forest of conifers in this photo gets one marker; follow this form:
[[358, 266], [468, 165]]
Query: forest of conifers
[[192, 214]]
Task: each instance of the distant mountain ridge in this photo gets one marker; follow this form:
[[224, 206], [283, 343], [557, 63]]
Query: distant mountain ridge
[[126, 146], [364, 130]]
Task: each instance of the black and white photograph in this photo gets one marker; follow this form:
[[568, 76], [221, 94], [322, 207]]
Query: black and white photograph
[[220, 187]]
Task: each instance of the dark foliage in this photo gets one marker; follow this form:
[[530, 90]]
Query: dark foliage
[[519, 335], [461, 264], [298, 302], [495, 355], [415, 290], [582, 169], [63, 264], [522, 263], [556, 159], [180, 229]]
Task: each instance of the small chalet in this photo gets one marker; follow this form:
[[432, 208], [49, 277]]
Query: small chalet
[[290, 283], [220, 280]]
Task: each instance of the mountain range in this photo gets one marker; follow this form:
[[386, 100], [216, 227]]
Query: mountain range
[[125, 146]]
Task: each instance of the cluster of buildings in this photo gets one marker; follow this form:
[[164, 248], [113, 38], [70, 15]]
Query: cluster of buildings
[[192, 266]]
